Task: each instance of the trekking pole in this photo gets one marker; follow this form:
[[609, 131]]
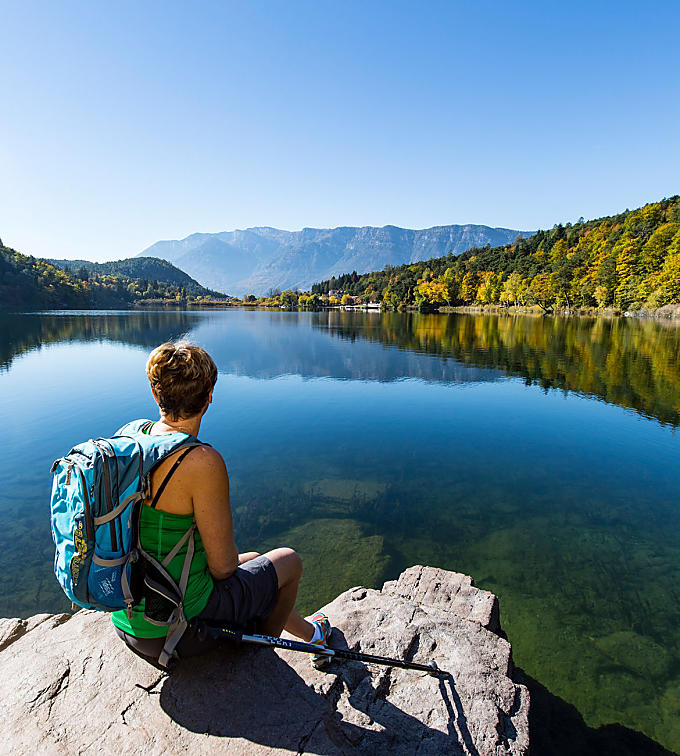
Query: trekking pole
[[226, 633]]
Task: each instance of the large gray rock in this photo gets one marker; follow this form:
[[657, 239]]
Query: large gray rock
[[69, 685]]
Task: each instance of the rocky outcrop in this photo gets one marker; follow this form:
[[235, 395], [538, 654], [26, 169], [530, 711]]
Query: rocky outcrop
[[69, 685]]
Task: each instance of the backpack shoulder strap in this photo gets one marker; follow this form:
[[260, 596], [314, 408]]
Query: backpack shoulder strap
[[135, 426], [171, 472]]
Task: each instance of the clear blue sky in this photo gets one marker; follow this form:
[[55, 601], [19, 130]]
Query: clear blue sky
[[129, 122]]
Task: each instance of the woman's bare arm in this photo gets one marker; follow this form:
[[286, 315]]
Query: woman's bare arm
[[210, 497]]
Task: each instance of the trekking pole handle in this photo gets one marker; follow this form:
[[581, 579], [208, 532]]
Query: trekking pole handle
[[221, 633]]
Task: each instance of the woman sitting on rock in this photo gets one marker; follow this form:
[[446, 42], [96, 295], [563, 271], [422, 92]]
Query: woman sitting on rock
[[247, 591]]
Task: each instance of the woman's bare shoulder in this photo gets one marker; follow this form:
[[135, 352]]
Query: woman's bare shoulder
[[203, 459]]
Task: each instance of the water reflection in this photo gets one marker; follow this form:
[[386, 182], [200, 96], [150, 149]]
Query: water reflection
[[272, 344], [628, 362], [23, 333]]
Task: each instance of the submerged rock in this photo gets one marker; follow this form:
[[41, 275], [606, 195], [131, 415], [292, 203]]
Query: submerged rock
[[345, 489], [338, 552], [71, 686]]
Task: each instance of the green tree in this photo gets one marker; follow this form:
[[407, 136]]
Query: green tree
[[468, 287], [601, 295], [541, 291], [627, 252], [669, 278], [289, 298], [512, 287]]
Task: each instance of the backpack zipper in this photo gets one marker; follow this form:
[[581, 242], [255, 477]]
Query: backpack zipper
[[88, 513], [107, 492], [70, 466]]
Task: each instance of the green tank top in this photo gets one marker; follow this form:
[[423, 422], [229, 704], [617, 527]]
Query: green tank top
[[159, 532]]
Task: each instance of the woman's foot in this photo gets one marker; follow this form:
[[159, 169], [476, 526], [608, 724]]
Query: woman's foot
[[322, 633]]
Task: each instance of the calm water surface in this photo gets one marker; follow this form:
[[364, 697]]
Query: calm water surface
[[538, 455]]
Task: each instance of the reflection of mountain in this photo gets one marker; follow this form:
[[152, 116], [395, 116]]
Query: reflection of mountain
[[271, 344], [631, 363], [22, 333]]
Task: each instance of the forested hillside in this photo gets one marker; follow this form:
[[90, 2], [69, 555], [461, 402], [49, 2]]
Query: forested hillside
[[626, 261], [28, 283], [135, 268]]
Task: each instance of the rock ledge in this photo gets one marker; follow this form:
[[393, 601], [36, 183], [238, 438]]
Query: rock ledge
[[70, 685]]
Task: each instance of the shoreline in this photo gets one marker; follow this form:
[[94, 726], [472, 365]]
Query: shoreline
[[668, 312]]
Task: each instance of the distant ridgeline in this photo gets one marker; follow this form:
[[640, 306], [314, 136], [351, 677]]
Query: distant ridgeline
[[30, 283], [628, 261], [258, 260]]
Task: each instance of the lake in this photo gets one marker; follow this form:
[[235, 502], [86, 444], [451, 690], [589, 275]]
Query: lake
[[537, 454]]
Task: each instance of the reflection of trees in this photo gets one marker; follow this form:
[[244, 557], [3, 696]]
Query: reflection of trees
[[21, 333], [271, 344], [632, 363]]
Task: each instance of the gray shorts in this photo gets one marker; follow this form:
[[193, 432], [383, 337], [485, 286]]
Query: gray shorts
[[245, 598], [241, 601]]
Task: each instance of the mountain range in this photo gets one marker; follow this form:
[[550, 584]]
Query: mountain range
[[258, 259]]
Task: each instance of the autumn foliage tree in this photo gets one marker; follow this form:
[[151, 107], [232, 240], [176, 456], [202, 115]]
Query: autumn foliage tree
[[627, 260]]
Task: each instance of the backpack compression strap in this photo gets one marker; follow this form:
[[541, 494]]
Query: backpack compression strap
[[177, 620]]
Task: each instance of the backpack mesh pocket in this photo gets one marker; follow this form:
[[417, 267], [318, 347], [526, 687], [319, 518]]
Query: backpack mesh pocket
[[160, 597]]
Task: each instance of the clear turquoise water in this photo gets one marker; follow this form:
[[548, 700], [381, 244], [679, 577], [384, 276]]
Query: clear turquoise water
[[538, 455]]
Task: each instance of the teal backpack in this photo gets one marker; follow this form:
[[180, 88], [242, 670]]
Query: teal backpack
[[97, 494]]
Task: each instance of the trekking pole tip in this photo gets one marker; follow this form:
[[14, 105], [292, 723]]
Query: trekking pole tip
[[433, 666]]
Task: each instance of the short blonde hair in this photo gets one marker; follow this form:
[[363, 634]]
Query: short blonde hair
[[181, 375]]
